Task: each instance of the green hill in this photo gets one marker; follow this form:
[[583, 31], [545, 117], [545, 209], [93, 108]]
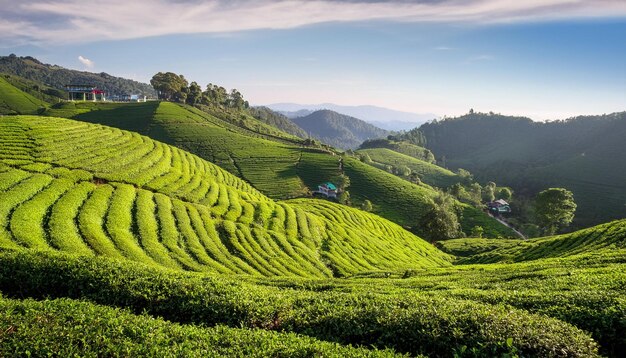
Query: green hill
[[37, 89], [15, 101], [94, 190], [583, 154], [609, 236], [429, 173], [275, 165], [402, 147], [338, 130]]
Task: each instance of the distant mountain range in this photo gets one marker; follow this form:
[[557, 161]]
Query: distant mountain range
[[338, 130], [56, 76], [385, 118]]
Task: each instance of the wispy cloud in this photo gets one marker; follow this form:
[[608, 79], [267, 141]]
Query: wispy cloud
[[55, 21], [85, 61], [480, 58]]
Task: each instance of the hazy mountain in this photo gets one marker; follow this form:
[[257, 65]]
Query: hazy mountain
[[56, 76], [338, 130], [381, 117]]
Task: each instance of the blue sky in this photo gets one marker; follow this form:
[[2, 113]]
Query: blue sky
[[545, 59]]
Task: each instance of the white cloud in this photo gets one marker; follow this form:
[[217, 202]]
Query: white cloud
[[85, 61], [55, 21]]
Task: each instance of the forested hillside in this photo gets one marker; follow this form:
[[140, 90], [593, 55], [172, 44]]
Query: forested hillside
[[585, 154], [57, 77], [338, 130]]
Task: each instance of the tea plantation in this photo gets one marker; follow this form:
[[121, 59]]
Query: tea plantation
[[135, 198], [278, 165], [116, 244]]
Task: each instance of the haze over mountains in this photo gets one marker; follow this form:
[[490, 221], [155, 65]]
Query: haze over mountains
[[384, 118], [338, 130]]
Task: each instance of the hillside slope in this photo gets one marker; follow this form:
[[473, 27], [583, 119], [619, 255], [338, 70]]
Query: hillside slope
[[277, 167], [594, 240], [338, 130], [586, 155], [15, 101], [429, 173], [95, 190]]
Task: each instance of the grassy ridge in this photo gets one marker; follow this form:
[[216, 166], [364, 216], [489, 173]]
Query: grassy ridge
[[598, 238], [429, 173], [95, 190], [410, 322], [15, 101]]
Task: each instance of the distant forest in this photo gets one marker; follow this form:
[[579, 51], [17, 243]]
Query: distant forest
[[57, 77]]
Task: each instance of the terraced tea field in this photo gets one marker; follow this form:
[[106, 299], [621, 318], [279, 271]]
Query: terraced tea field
[[279, 167], [94, 190], [140, 231]]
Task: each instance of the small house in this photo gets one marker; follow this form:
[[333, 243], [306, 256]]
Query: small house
[[327, 189], [499, 206]]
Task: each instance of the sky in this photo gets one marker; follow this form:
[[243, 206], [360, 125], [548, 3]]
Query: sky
[[546, 59]]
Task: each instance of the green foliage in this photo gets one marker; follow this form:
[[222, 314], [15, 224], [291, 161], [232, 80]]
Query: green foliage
[[428, 173], [147, 202], [170, 86], [610, 235], [414, 136], [71, 328], [401, 147], [367, 205], [15, 101], [583, 154], [407, 322], [440, 222], [477, 231], [554, 209], [504, 193]]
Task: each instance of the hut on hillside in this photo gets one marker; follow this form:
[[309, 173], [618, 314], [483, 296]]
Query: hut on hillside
[[499, 206], [327, 189]]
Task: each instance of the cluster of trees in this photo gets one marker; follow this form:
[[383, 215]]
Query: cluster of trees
[[174, 87], [414, 136]]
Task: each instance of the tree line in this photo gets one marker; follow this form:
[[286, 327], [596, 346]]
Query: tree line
[[173, 87]]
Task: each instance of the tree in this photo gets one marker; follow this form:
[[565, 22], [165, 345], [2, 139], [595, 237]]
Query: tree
[[195, 94], [440, 221], [554, 209], [477, 231], [367, 205], [489, 192], [403, 170], [169, 85], [504, 194]]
